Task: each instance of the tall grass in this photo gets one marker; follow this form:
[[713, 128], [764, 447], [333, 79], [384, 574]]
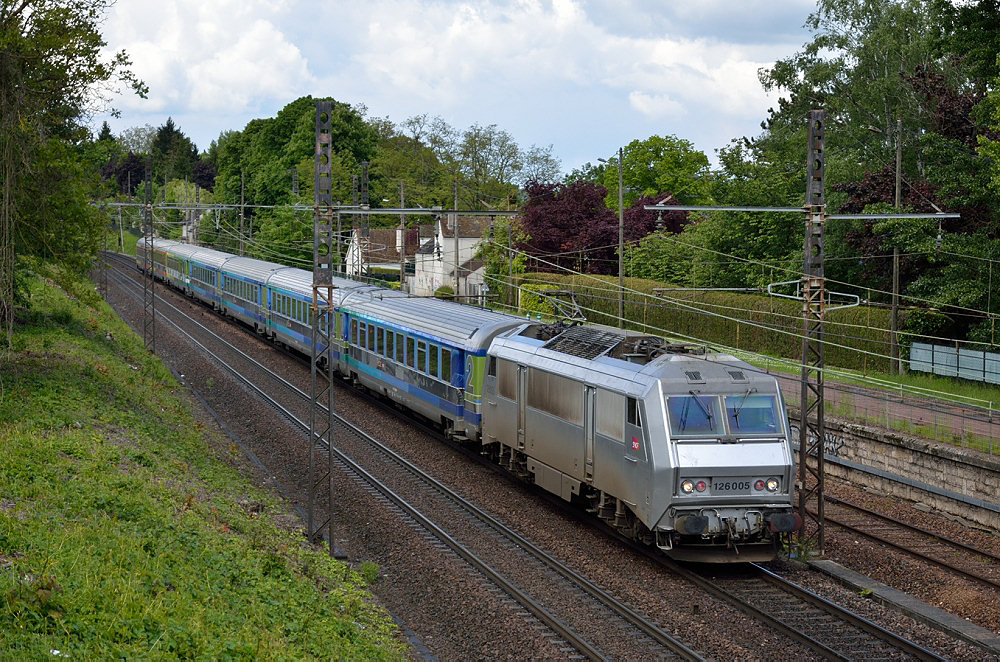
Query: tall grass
[[123, 535]]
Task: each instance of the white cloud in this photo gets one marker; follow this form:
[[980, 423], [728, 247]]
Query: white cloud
[[205, 55], [579, 74], [261, 64], [655, 106]]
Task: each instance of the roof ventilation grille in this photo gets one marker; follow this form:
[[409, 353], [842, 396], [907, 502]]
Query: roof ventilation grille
[[694, 376]]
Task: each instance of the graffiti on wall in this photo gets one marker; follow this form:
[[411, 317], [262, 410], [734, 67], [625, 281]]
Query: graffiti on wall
[[833, 443]]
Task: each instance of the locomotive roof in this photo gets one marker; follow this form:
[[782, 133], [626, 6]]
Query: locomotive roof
[[600, 355]]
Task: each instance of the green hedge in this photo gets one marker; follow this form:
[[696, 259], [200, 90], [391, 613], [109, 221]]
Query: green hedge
[[856, 338]]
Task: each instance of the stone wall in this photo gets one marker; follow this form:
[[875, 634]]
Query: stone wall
[[929, 472]]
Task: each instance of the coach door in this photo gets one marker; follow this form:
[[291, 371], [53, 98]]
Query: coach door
[[589, 420]]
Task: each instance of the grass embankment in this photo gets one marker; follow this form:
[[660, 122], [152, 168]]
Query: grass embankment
[[126, 532]]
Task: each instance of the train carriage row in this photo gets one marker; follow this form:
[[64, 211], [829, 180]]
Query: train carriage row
[[685, 450]]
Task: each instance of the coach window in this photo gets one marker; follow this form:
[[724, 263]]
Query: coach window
[[422, 356], [410, 352], [446, 364], [399, 347], [380, 341], [371, 337], [432, 360], [390, 347]]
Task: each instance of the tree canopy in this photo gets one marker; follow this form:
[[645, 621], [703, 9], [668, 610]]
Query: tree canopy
[[52, 73]]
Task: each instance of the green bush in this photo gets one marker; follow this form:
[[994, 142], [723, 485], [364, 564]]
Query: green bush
[[857, 338]]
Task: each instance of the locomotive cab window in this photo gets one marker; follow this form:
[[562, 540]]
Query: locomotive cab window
[[694, 414], [752, 414], [632, 412]]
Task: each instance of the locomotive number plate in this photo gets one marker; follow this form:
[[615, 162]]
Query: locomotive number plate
[[731, 487]]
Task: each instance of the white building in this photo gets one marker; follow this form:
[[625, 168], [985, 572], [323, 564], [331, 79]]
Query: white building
[[437, 257], [377, 250]]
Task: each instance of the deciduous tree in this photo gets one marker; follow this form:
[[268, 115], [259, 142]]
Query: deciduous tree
[[52, 71]]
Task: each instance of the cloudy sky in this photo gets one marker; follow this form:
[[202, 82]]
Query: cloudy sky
[[585, 76]]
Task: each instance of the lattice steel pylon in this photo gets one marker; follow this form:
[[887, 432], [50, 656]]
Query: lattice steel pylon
[[103, 262], [148, 293], [812, 428], [321, 418]]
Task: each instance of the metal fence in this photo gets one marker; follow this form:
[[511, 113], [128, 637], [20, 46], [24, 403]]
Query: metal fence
[[971, 427], [947, 361]]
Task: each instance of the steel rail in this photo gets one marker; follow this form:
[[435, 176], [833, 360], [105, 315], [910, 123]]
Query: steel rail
[[968, 574]]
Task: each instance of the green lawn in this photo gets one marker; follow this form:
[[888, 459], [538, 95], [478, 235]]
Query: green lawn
[[122, 535]]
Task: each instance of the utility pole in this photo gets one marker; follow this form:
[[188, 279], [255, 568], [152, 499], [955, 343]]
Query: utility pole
[[148, 293], [621, 245], [899, 159], [455, 218], [812, 432], [402, 239], [242, 190], [893, 339], [510, 262], [621, 241], [324, 334]]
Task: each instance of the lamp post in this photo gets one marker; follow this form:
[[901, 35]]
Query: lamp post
[[621, 244]]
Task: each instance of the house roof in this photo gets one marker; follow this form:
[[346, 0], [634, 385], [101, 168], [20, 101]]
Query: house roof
[[381, 246], [470, 227], [427, 247]]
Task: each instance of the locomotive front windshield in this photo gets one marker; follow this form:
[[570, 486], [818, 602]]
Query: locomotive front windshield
[[752, 414], [694, 414], [701, 415]]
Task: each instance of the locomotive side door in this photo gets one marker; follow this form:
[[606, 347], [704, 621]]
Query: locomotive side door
[[589, 421], [522, 396]]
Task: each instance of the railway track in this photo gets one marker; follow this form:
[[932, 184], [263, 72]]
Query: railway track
[[452, 523], [823, 627], [937, 549], [832, 631]]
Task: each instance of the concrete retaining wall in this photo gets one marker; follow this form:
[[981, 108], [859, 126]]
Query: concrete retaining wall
[[949, 479]]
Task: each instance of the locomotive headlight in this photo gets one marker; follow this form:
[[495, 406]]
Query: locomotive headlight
[[687, 487], [773, 484]]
